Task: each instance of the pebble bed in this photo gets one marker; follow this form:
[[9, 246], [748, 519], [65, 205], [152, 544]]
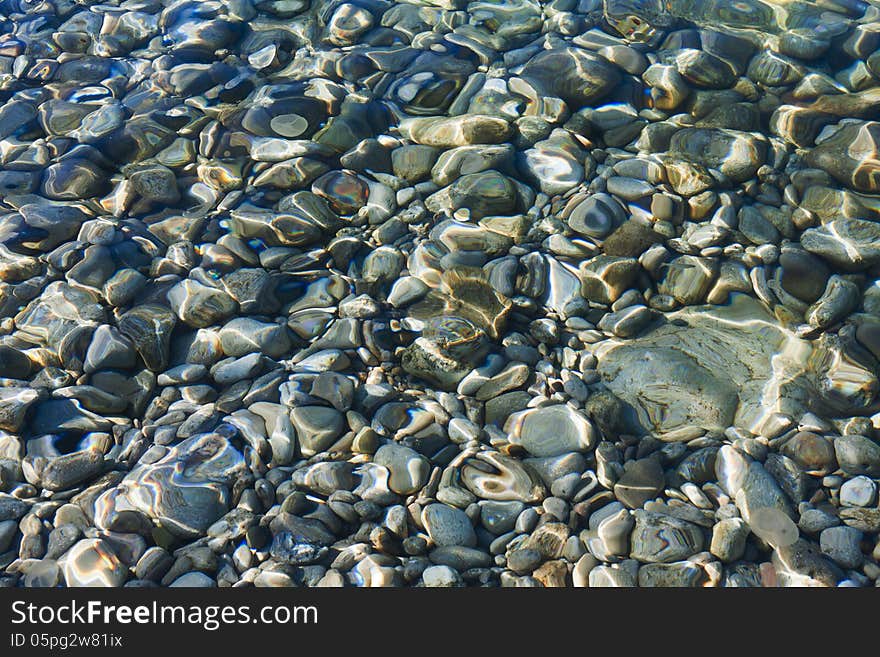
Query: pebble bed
[[439, 293]]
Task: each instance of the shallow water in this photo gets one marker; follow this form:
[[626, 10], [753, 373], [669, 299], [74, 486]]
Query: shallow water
[[439, 293]]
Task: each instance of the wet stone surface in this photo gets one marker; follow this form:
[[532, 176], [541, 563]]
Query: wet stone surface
[[420, 293]]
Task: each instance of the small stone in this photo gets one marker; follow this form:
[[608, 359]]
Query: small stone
[[11, 508], [8, 531], [406, 290], [575, 75], [65, 414], [149, 328], [244, 335], [774, 526], [156, 183], [840, 298], [855, 168], [551, 430], [811, 451], [553, 574], [859, 491], [549, 539], [74, 179], [414, 162], [681, 574], [813, 521], [448, 526], [729, 539], [441, 577], [461, 130], [737, 155], [659, 538], [761, 493], [408, 469], [642, 480], [595, 216], [483, 194], [610, 530], [627, 323], [851, 244], [857, 455], [555, 165], [317, 427], [14, 364], [93, 563], [193, 580], [464, 160], [325, 478], [866, 520], [802, 564], [199, 305], [606, 576], [629, 189], [524, 561], [499, 517], [109, 349], [803, 274], [64, 472], [460, 558], [688, 279], [14, 405], [631, 239], [842, 544]]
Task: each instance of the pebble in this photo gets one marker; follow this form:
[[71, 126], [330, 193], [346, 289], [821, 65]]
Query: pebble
[[92, 562], [659, 538], [441, 577], [850, 244], [802, 564], [213, 465], [610, 530], [575, 75], [500, 517], [773, 526], [317, 427], [408, 469], [857, 455], [681, 574], [605, 576], [641, 481], [245, 335], [462, 130], [859, 491], [842, 544], [66, 471], [729, 539], [194, 580], [448, 526], [14, 405], [460, 558], [524, 560], [550, 431]]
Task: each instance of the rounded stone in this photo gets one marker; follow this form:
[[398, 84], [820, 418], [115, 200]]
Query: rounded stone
[[842, 544], [409, 469], [92, 562], [551, 430], [441, 577], [575, 75], [448, 526], [317, 427], [859, 491], [729, 539]]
